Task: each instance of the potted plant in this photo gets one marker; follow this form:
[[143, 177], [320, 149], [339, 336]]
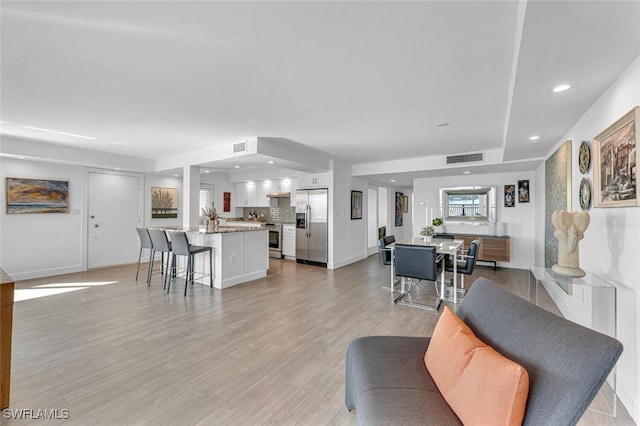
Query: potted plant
[[438, 222], [428, 232]]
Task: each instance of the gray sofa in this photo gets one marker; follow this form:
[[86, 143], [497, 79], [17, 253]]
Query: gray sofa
[[388, 383]]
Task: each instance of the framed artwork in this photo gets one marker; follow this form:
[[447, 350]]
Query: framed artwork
[[557, 193], [26, 196], [356, 205], [523, 191], [399, 208], [509, 195], [227, 202], [164, 203], [615, 170], [405, 204]]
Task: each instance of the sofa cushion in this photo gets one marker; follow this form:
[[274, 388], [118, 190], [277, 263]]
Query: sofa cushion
[[481, 386]]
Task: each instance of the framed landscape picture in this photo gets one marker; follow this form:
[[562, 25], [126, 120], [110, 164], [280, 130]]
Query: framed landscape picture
[[164, 203], [36, 196], [615, 159]]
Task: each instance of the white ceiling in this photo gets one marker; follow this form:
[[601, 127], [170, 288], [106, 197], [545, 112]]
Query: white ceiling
[[366, 82]]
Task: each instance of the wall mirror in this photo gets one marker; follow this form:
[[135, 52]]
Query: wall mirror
[[468, 204]]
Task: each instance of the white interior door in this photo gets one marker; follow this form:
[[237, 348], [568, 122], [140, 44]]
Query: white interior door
[[114, 212], [372, 221]]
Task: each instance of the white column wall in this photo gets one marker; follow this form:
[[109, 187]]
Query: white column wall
[[610, 244]]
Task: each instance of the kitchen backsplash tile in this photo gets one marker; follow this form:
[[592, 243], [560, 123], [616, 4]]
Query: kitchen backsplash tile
[[284, 213]]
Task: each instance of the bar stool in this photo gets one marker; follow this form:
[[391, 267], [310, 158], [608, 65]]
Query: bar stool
[[145, 243], [180, 247], [162, 244]]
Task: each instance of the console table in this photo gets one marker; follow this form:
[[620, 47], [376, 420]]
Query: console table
[[589, 301], [493, 249], [6, 327]]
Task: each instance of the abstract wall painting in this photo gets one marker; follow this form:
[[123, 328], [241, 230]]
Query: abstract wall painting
[[36, 196], [557, 177]]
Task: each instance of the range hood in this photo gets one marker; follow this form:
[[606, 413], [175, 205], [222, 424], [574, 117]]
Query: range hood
[[278, 194]]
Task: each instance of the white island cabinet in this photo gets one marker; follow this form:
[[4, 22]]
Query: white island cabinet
[[239, 255]]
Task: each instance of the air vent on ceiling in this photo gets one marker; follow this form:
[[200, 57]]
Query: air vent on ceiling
[[240, 147], [466, 158]]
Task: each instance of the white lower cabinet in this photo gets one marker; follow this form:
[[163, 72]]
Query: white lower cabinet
[[289, 241]]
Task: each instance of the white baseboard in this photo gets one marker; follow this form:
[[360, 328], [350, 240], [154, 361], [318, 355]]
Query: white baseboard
[[29, 275], [336, 265]]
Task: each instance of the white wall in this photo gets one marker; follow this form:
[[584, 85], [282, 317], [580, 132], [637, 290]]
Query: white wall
[[40, 245], [347, 237], [519, 220], [610, 245], [36, 245], [222, 184]]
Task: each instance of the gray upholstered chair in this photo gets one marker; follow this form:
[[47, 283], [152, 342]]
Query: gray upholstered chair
[[466, 262], [145, 243], [385, 253], [420, 263], [180, 247], [160, 244]]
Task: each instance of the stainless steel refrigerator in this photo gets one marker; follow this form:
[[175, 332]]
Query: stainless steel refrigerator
[[311, 226]]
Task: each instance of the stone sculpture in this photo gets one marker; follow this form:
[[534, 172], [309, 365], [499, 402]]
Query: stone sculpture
[[569, 230]]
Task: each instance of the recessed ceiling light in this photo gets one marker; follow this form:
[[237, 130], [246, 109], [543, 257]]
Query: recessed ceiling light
[[236, 167], [22, 157], [206, 171], [117, 168], [561, 88], [534, 138], [466, 172], [270, 161], [443, 124], [118, 143], [59, 133], [176, 175], [392, 180]]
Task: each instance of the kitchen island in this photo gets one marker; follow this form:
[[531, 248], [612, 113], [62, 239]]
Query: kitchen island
[[240, 254]]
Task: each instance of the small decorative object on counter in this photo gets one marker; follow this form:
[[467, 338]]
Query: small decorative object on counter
[[428, 232], [569, 230], [210, 213]]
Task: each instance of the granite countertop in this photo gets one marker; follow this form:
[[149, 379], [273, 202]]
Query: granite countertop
[[221, 229]]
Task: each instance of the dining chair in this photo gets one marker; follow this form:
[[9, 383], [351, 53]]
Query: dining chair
[[417, 262], [466, 262], [386, 254], [145, 243], [161, 244], [180, 247]]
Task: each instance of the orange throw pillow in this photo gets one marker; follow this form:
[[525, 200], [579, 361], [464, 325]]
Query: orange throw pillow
[[480, 385]]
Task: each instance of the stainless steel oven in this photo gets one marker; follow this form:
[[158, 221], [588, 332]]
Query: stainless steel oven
[[275, 240]]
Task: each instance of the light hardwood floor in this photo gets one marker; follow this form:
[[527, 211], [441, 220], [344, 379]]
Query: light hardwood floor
[[113, 351]]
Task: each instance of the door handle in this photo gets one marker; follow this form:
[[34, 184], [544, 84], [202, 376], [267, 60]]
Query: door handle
[[96, 225]]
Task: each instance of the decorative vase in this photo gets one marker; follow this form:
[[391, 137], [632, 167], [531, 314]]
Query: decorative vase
[[428, 238], [211, 226]]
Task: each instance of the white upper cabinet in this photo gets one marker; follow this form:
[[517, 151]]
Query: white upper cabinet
[[317, 180]]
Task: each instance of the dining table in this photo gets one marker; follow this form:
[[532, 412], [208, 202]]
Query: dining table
[[443, 246]]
